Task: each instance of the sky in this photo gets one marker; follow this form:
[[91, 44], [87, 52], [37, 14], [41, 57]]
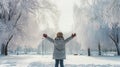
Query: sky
[[66, 23]]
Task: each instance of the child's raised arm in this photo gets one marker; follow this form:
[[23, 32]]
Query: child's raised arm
[[69, 38], [48, 38]]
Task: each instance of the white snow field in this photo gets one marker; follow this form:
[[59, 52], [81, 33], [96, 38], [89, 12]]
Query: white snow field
[[47, 61]]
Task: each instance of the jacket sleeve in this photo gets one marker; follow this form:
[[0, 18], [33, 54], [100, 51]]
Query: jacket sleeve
[[68, 39], [50, 39]]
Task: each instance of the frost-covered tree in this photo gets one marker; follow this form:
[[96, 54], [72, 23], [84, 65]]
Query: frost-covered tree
[[12, 15], [114, 35], [9, 16], [109, 12], [87, 24], [95, 19]]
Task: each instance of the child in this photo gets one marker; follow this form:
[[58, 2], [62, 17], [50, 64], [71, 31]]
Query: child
[[59, 53]]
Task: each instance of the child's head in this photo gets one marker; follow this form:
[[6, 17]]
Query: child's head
[[60, 35]]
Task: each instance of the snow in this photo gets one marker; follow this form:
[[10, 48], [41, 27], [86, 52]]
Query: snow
[[47, 61]]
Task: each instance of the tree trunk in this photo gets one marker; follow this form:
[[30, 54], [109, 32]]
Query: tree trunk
[[3, 49], [99, 49], [6, 46], [6, 50], [89, 52], [117, 47]]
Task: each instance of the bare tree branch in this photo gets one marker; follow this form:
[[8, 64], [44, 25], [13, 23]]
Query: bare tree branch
[[17, 19], [112, 38]]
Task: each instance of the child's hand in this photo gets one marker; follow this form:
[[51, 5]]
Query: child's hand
[[45, 35], [73, 35]]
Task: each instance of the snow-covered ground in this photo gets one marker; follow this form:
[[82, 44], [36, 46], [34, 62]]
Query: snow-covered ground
[[47, 61]]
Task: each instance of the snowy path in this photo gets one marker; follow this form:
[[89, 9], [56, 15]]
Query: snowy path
[[47, 61]]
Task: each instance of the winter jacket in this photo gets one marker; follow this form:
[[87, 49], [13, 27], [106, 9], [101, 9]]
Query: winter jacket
[[59, 47]]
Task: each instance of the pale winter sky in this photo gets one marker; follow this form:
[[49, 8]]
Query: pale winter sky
[[66, 23]]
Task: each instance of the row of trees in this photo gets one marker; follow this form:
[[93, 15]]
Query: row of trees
[[45, 47], [74, 50]]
